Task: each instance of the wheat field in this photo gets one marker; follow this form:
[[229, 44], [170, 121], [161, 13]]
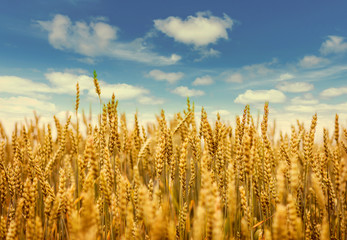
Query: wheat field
[[172, 179]]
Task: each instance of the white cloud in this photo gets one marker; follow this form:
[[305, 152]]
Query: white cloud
[[24, 105], [260, 96], [121, 91], [335, 44], [235, 78], [65, 83], [320, 108], [312, 61], [205, 80], [251, 80], [19, 86], [199, 30], [186, 92], [285, 76], [171, 77], [150, 101], [334, 92], [306, 99], [301, 108], [99, 39], [83, 38], [295, 87]]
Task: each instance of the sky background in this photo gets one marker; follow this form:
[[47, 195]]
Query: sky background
[[153, 54]]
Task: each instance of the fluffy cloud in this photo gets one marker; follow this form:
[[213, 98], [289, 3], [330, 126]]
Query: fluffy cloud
[[334, 92], [171, 77], [87, 39], [65, 83], [334, 44], [205, 80], [24, 105], [199, 30], [320, 108], [260, 96], [19, 86], [186, 92], [301, 108], [98, 39], [150, 101], [295, 87], [285, 76], [121, 91], [306, 99], [312, 61], [235, 78]]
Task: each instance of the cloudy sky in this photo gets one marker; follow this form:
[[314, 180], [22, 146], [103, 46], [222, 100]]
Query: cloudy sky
[[153, 54]]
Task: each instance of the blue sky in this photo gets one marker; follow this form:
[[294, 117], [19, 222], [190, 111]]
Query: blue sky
[[153, 54]]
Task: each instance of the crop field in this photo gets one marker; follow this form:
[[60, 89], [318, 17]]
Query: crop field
[[172, 179]]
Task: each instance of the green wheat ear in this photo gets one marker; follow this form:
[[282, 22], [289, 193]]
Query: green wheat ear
[[95, 75]]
